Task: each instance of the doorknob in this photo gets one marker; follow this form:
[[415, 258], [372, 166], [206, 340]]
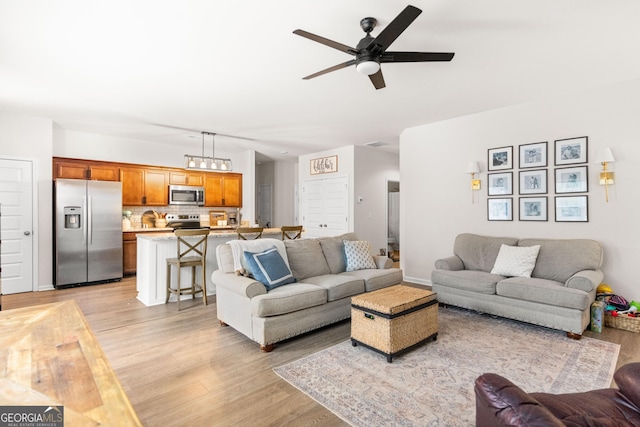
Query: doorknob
[[26, 233]]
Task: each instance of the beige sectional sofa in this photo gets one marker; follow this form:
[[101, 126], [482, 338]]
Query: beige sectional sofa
[[320, 296], [558, 294]]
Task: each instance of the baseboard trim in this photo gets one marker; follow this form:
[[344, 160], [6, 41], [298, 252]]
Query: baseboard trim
[[417, 281]]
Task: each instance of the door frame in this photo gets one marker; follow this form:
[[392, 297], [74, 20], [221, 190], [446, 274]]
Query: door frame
[[35, 217], [387, 192]]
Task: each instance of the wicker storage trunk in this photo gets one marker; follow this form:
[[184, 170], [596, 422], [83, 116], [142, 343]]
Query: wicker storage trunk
[[394, 319]]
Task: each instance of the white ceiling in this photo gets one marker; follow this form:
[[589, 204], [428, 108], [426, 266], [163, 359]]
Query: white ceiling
[[126, 67]]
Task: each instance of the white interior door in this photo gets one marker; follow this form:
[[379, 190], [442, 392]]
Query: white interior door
[[325, 206], [16, 204]]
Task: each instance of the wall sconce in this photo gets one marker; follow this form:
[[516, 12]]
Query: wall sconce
[[473, 168], [604, 156]]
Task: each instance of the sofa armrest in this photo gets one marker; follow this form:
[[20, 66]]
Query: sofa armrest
[[499, 402], [382, 261], [243, 286], [452, 263], [585, 280]]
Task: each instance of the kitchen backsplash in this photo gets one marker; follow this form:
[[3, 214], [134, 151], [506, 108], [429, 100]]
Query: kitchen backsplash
[[136, 217]]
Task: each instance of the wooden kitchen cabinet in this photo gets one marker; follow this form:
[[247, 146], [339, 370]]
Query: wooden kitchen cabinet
[[185, 178], [63, 168], [144, 187], [129, 253], [223, 189]]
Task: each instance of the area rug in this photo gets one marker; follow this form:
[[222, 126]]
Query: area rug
[[432, 385]]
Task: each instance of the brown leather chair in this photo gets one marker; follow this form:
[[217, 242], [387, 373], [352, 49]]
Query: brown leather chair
[[501, 403], [291, 232]]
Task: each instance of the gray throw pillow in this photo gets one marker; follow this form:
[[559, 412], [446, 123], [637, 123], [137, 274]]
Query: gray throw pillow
[[306, 258]]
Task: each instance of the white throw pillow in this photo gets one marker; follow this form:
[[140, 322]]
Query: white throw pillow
[[516, 260], [358, 255]]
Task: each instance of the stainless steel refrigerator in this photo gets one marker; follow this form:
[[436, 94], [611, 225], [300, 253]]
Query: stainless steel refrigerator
[[88, 231]]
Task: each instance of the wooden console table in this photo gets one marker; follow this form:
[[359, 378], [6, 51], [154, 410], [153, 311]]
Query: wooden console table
[[49, 356]]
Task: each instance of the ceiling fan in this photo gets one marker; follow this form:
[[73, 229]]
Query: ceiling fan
[[371, 52]]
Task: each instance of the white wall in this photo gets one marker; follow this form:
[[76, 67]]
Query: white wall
[[29, 138], [373, 168], [436, 201]]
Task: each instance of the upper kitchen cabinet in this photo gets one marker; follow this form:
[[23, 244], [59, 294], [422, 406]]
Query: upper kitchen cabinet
[[144, 187], [84, 169], [223, 189], [186, 178]]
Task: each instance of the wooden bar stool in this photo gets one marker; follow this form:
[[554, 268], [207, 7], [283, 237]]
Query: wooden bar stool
[[249, 233], [291, 232], [191, 253]]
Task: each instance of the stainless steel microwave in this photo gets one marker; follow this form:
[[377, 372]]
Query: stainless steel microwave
[[186, 195]]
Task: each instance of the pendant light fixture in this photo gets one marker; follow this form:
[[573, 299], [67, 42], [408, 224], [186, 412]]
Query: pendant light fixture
[[203, 163]]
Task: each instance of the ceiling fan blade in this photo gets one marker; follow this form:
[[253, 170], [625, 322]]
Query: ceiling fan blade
[[416, 56], [393, 30], [341, 47], [378, 80], [330, 69]]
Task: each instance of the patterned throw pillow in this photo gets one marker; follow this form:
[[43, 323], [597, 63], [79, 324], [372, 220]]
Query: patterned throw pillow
[[358, 255], [269, 268], [516, 261]]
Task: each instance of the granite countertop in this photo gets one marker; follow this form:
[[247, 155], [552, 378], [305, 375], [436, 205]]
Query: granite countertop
[[168, 235]]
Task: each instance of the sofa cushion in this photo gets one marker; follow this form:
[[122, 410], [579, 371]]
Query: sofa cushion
[[338, 286], [560, 259], [358, 255], [479, 252], [467, 280], [377, 279], [543, 291], [287, 299], [306, 258], [333, 250], [269, 268], [516, 260]]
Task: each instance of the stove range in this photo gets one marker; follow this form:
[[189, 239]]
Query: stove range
[[176, 221]]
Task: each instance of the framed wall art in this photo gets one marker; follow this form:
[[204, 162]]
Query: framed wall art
[[322, 165], [571, 209], [533, 209], [500, 158], [571, 151], [533, 181], [572, 180], [533, 155], [500, 184], [500, 209]]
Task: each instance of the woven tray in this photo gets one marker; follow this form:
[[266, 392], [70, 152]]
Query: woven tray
[[622, 322]]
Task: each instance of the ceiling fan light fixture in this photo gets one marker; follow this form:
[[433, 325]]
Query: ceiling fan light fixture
[[368, 68]]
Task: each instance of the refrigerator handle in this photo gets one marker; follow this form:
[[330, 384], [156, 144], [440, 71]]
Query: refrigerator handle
[[84, 221], [90, 221]]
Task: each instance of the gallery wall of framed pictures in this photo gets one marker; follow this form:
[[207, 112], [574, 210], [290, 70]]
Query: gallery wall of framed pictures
[[570, 181]]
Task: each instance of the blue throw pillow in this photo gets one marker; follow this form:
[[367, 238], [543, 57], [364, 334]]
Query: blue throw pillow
[[269, 268]]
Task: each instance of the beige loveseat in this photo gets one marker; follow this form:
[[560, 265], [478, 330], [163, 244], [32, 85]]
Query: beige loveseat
[[320, 296], [558, 294]]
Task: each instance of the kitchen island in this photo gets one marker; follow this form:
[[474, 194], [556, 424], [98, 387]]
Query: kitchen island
[[155, 248]]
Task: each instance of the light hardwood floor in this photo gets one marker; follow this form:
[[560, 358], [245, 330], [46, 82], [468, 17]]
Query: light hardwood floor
[[183, 368]]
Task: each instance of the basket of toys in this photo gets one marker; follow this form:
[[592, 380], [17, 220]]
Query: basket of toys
[[619, 313], [622, 321]]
